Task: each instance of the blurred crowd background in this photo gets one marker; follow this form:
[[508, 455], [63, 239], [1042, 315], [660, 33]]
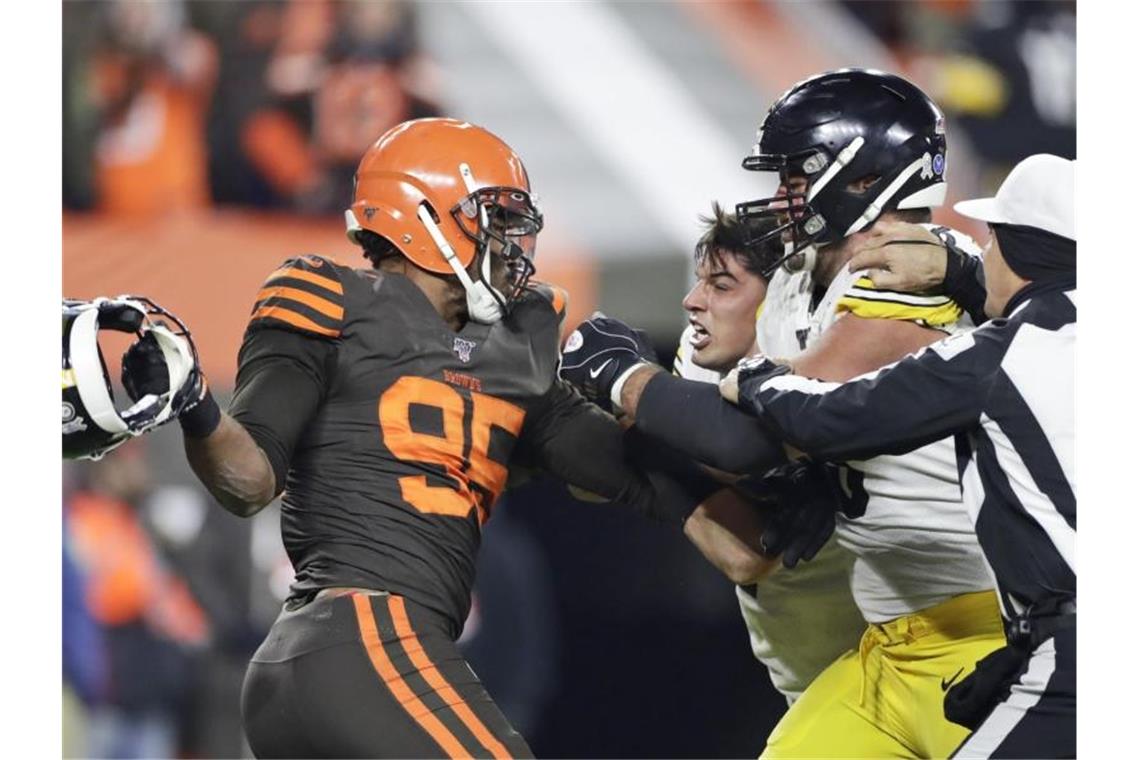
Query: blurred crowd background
[[204, 142]]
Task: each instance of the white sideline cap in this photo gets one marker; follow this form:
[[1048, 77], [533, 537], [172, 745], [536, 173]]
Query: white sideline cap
[[1040, 192]]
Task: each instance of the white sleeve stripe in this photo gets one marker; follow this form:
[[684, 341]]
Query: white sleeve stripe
[[1024, 696], [1036, 503], [800, 384], [869, 294], [1035, 354]]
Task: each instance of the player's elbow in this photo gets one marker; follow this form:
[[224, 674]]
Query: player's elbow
[[746, 569], [243, 506]]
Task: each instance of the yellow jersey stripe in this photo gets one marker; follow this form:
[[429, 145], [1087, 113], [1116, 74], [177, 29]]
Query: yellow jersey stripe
[[933, 316]]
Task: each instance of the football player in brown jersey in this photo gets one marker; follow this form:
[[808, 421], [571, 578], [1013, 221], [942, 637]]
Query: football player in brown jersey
[[386, 405]]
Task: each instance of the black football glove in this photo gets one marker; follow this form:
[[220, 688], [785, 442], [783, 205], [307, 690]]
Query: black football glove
[[802, 514], [750, 374], [598, 352], [144, 371]]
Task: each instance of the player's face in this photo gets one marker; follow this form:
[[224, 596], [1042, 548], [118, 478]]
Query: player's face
[[516, 233], [722, 310]]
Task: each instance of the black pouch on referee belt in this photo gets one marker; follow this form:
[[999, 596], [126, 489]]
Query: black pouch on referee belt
[[969, 702]]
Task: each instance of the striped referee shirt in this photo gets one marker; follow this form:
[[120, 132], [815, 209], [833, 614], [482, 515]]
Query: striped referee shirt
[[1005, 391]]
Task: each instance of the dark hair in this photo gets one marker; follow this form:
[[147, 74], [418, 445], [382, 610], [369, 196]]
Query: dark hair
[[912, 215], [376, 247], [724, 233]]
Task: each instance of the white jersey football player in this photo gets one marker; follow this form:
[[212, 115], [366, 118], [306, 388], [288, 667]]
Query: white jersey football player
[[856, 151], [851, 148], [800, 620]]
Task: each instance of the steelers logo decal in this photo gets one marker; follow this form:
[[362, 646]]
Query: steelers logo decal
[[573, 343]]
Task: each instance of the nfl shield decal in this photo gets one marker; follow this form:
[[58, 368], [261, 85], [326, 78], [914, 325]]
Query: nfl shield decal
[[463, 348]]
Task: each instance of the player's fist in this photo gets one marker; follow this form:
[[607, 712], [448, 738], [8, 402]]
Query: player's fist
[[147, 367], [144, 369], [598, 352], [804, 518]]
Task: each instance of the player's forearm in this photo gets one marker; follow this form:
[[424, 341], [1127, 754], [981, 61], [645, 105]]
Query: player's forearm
[[727, 531], [691, 417], [232, 467], [633, 387], [916, 402]]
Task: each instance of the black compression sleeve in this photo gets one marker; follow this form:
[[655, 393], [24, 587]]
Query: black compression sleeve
[[576, 441], [691, 417], [672, 473], [964, 282], [281, 381]]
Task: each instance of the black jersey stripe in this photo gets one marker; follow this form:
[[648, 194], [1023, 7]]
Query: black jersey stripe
[[1021, 426], [309, 313], [296, 316], [295, 272], [281, 293], [878, 295], [1025, 561], [287, 280]]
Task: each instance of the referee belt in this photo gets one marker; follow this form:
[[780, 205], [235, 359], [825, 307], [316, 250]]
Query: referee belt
[[1030, 630]]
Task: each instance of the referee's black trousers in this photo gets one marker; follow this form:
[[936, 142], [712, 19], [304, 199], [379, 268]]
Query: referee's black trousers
[[1039, 717], [369, 675]]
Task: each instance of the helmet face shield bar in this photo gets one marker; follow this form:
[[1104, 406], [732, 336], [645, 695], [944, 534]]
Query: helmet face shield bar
[[503, 222], [798, 225]]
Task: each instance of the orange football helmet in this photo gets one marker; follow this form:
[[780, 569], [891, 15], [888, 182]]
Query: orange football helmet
[[446, 193]]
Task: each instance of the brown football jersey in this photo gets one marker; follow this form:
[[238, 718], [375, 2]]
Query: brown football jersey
[[400, 463]]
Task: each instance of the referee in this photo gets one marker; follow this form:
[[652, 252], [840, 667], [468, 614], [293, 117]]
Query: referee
[[1005, 391]]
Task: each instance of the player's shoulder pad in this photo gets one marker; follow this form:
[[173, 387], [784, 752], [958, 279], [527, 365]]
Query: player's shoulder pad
[[863, 299], [305, 294], [554, 295]]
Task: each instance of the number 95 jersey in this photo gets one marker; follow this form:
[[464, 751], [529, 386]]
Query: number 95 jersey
[[394, 430]]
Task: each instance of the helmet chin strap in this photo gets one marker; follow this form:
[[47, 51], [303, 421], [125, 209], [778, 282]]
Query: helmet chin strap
[[482, 306]]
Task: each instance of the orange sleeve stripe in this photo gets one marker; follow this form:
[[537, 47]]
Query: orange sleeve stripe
[[435, 679], [400, 689], [559, 298], [324, 306], [300, 274], [295, 319]]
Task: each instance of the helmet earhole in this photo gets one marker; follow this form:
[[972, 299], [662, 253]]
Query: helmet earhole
[[430, 210]]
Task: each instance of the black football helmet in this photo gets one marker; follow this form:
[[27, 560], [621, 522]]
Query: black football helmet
[[865, 142], [92, 425]]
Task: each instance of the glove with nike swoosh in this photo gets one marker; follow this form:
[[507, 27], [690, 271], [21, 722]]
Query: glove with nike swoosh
[[598, 352]]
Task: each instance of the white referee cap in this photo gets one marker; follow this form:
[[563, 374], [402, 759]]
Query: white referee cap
[[1040, 192]]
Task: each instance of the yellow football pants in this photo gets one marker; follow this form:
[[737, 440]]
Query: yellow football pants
[[885, 700]]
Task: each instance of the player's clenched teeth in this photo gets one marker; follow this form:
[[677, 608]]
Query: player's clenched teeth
[[700, 338]]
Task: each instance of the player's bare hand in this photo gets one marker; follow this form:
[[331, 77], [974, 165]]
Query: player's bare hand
[[728, 386], [901, 256]]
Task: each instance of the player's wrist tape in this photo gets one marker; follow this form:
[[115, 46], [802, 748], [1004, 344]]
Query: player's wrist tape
[[202, 419], [615, 389]]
